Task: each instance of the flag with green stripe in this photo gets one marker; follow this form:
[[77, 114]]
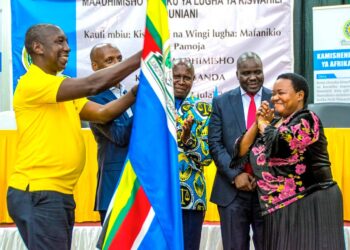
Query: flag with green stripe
[[145, 210]]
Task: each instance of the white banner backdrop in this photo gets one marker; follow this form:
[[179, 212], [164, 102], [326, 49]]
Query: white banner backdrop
[[331, 27], [211, 33], [5, 50]]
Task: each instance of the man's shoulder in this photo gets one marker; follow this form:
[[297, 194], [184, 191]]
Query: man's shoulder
[[193, 100], [35, 81], [200, 108], [227, 94], [35, 72], [266, 90]]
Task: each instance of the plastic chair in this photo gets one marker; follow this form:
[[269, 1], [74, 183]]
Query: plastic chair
[[332, 115]]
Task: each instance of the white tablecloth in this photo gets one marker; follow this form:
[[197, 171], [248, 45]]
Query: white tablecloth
[[85, 238]]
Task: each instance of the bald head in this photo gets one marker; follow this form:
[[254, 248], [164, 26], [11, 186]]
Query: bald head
[[104, 55]]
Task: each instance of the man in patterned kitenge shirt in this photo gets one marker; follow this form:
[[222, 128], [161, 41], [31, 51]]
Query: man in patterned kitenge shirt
[[192, 138]]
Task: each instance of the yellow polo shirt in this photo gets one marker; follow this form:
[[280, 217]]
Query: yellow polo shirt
[[50, 150]]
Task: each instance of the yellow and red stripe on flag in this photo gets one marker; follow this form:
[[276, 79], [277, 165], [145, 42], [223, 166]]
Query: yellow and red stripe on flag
[[145, 211]]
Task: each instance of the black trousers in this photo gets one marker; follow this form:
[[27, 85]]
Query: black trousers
[[103, 214], [236, 220], [45, 219], [192, 222]]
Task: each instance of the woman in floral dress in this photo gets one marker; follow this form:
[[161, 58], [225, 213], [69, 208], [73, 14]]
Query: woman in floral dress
[[301, 204]]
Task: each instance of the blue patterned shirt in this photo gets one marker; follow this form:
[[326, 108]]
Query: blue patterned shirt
[[195, 155]]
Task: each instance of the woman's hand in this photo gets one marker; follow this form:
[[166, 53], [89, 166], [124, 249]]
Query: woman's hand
[[265, 112], [264, 116]]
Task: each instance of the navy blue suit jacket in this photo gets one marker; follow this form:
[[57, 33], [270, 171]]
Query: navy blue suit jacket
[[227, 123], [112, 141]]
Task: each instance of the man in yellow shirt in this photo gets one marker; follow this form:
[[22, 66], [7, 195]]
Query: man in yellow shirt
[[51, 151]]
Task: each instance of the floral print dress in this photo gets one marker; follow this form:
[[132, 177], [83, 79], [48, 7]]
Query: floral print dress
[[290, 161], [301, 203]]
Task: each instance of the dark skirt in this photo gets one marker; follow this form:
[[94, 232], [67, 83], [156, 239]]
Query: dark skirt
[[313, 223]]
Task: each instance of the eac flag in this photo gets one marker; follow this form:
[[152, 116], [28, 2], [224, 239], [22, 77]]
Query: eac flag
[[145, 211]]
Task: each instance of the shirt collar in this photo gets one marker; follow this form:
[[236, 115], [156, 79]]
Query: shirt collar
[[178, 102], [120, 89], [244, 93]]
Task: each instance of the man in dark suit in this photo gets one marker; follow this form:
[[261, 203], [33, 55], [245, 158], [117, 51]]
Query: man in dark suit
[[234, 189], [112, 138]]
